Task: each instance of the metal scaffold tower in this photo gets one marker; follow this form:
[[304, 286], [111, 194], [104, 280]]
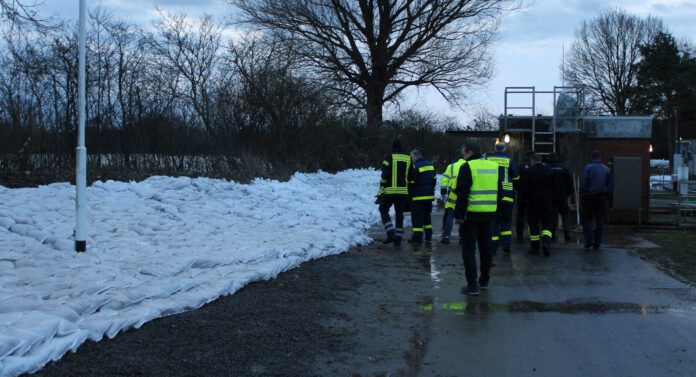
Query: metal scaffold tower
[[567, 110]]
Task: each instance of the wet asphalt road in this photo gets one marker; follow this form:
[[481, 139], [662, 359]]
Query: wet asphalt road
[[385, 311]]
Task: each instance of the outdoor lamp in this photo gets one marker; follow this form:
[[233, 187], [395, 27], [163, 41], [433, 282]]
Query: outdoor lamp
[[651, 149], [506, 139]]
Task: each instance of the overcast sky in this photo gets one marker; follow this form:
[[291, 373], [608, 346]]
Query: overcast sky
[[529, 51]]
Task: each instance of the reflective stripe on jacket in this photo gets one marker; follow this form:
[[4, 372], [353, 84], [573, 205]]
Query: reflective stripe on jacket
[[508, 170], [449, 182], [424, 180], [483, 196], [396, 174]]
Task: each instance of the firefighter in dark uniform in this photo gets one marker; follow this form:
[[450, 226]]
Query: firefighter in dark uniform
[[422, 193], [521, 214], [393, 190], [538, 189], [478, 186], [564, 188], [501, 233]]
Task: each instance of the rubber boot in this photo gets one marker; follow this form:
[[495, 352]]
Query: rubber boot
[[390, 237], [428, 235]]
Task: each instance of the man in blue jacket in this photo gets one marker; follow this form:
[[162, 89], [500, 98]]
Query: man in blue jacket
[[595, 188], [422, 191]]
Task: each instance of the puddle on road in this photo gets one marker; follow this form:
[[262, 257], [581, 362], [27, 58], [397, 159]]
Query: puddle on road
[[579, 307], [427, 259], [567, 307]]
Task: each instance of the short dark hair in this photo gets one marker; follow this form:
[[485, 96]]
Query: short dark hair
[[536, 157], [472, 147], [595, 154], [529, 154]]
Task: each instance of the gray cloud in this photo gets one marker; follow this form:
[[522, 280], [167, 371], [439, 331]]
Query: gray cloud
[[529, 51]]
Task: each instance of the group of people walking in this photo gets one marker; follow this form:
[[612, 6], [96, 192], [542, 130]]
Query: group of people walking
[[479, 193]]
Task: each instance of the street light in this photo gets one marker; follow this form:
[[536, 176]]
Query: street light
[[506, 138], [81, 150]]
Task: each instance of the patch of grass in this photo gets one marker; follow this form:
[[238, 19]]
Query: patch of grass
[[676, 252]]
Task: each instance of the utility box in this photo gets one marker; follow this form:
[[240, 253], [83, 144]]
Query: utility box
[[628, 185]]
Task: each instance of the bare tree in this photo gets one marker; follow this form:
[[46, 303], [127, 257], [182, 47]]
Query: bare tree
[[602, 59], [483, 120], [22, 13], [370, 51], [191, 50]]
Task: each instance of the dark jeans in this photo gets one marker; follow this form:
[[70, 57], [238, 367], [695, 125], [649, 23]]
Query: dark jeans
[[472, 233], [561, 208], [399, 203], [520, 217], [501, 228], [447, 222], [594, 210], [420, 219], [539, 219]]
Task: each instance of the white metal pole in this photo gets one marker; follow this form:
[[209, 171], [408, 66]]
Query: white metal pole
[[81, 150]]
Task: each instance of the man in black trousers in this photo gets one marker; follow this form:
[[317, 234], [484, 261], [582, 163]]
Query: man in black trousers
[[479, 186], [521, 213], [564, 188], [538, 188], [393, 191]]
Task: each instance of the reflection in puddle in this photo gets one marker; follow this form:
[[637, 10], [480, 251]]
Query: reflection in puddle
[[578, 307], [567, 307], [427, 258], [434, 272]]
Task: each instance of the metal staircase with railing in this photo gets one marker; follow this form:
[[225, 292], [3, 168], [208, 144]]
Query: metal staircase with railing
[[543, 131]]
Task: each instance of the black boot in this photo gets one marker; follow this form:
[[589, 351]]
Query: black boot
[[416, 239], [390, 237]]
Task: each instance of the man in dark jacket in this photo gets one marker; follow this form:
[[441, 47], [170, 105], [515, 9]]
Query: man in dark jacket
[[521, 213], [422, 193], [501, 233], [538, 188], [595, 188], [564, 188], [393, 190], [478, 189]]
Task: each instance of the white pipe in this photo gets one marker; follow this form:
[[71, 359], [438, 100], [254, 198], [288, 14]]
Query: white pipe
[[81, 150]]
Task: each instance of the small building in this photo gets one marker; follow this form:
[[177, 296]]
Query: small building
[[623, 141]]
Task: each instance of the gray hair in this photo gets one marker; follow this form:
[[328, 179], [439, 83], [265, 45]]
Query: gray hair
[[416, 153]]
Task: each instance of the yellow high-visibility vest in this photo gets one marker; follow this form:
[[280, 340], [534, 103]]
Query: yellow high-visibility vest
[[449, 181], [484, 189], [508, 189]]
